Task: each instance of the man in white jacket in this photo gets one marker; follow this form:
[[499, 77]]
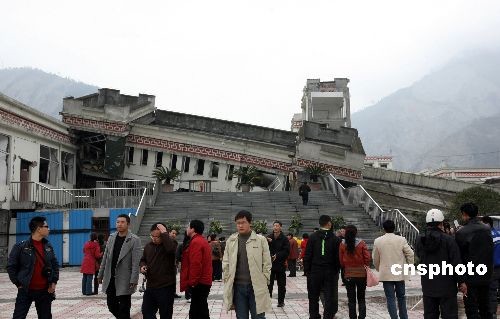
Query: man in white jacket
[[388, 250], [247, 269]]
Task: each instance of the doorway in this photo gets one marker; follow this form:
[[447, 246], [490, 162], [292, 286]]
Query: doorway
[[24, 179]]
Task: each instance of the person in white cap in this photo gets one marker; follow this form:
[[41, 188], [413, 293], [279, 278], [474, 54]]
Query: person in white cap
[[434, 246]]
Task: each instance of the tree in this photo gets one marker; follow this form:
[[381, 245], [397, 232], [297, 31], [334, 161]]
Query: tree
[[487, 200]]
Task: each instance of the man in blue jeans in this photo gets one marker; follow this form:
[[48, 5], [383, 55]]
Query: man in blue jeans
[[388, 250], [246, 283]]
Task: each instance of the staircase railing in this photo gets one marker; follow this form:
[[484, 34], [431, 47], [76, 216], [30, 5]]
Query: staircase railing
[[357, 195], [274, 185]]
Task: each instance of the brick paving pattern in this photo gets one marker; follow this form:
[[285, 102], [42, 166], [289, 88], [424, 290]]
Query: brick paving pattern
[[71, 304]]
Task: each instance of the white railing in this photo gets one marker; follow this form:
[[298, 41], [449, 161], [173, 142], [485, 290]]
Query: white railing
[[274, 185], [125, 184], [357, 195], [136, 217]]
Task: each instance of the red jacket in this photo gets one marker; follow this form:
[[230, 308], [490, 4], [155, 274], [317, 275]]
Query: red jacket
[[354, 264], [294, 249], [196, 266], [303, 246], [91, 253]]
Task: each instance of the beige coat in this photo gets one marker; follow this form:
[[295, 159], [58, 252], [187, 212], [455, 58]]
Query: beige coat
[[388, 250], [259, 263]]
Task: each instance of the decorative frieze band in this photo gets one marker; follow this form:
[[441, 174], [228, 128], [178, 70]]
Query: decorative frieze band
[[33, 127], [335, 170], [111, 127]]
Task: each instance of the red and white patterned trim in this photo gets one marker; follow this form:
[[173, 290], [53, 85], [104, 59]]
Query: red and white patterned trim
[[335, 170], [33, 127], [110, 127]]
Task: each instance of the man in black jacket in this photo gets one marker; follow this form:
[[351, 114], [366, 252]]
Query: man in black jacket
[[476, 246], [434, 247], [33, 268], [279, 248], [321, 265]]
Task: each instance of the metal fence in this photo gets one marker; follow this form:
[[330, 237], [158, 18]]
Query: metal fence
[[357, 195]]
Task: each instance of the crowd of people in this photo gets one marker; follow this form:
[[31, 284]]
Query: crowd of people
[[249, 264]]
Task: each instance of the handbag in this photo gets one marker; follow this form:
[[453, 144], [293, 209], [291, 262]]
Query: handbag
[[371, 278]]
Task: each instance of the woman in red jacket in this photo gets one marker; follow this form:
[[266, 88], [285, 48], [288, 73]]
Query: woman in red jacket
[[303, 245], [91, 253], [354, 256]]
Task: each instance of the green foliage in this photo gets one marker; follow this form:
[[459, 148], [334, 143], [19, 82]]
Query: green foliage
[[215, 227], [164, 174], [315, 172], [487, 200], [337, 222], [248, 175], [295, 225], [174, 225], [260, 226]]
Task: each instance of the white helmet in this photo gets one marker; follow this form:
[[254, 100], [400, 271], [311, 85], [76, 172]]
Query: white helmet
[[434, 215]]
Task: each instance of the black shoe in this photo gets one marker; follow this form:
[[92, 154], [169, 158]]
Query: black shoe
[[292, 276], [177, 296], [282, 304]]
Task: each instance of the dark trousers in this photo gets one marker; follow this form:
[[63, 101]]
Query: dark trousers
[[305, 199], [477, 302], [334, 292], [96, 283], [280, 277], [292, 266], [42, 299], [199, 304], [494, 285], [119, 306], [447, 306], [216, 269], [356, 288], [321, 281], [244, 302], [158, 299]]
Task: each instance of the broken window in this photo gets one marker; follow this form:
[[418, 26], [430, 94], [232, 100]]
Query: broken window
[[185, 165], [144, 158], [49, 165], [159, 159], [200, 167], [230, 171], [130, 159], [173, 164], [215, 170], [67, 165], [4, 159]]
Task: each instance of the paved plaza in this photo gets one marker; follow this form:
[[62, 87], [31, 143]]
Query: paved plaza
[[71, 304]]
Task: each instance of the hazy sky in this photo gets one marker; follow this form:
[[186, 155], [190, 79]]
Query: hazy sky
[[245, 61]]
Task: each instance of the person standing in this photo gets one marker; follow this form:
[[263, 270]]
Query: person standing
[[303, 245], [434, 246], [158, 265], [304, 191], [119, 271], [292, 256], [476, 246], [279, 249], [33, 268], [247, 270], [196, 270], [102, 248], [321, 265], [216, 258], [91, 254], [388, 250], [354, 256], [494, 283]]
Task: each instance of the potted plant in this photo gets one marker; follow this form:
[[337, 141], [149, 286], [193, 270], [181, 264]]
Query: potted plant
[[174, 225], [295, 225], [247, 177], [260, 227], [215, 227], [164, 174], [314, 173]]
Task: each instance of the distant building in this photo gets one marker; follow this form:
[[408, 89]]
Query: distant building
[[379, 161], [473, 175], [327, 103]]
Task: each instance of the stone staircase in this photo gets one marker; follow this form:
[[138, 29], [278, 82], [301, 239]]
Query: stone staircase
[[268, 206]]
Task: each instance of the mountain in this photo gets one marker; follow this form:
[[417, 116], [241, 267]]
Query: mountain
[[41, 90], [440, 119]]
